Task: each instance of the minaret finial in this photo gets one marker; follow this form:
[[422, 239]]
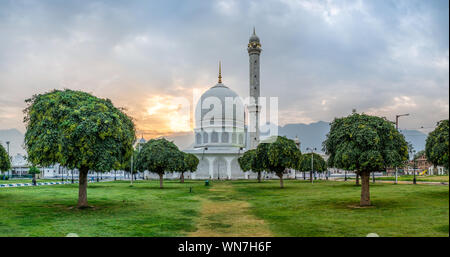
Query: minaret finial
[[220, 73]]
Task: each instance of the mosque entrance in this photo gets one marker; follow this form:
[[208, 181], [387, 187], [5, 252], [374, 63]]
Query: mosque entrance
[[220, 169]]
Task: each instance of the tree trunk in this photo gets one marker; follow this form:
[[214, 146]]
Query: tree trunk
[[82, 188], [365, 191], [281, 179], [161, 180], [357, 179], [311, 176], [259, 176], [182, 177], [34, 180]]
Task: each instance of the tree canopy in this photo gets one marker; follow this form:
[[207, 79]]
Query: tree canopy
[[5, 163], [365, 144], [437, 147], [190, 162], [278, 156], [34, 170], [159, 156], [250, 161], [319, 163], [77, 130], [419, 154]]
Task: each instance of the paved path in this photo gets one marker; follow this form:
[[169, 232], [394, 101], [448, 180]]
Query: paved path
[[44, 183], [222, 216]]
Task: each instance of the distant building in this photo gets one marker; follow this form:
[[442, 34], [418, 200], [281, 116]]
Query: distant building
[[421, 163], [19, 165]]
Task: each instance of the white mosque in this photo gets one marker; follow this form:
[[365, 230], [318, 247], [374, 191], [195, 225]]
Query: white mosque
[[221, 133]]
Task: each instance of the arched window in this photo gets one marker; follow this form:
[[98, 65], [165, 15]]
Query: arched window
[[214, 137], [225, 137], [205, 138], [198, 139]]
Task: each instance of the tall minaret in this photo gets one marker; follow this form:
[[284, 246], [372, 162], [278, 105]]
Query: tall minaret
[[254, 51]]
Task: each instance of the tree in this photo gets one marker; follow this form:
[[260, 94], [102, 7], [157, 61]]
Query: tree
[[304, 163], [77, 130], [33, 171], [365, 144], [250, 161], [159, 156], [436, 147], [190, 164], [5, 163], [419, 154], [278, 156]]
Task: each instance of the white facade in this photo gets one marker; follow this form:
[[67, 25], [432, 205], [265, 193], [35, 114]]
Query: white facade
[[221, 135]]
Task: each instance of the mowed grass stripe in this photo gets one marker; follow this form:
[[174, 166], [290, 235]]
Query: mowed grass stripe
[[224, 215]]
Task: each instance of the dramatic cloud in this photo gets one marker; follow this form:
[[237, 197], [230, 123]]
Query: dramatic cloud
[[321, 58]]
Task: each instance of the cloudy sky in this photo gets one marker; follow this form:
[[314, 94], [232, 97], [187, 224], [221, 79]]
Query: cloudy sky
[[321, 58]]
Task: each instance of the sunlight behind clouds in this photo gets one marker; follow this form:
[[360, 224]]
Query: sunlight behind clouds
[[321, 58]]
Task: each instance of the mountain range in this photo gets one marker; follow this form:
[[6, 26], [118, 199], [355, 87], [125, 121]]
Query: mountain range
[[310, 135]]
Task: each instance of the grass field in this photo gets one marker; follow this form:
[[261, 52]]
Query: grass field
[[226, 208]]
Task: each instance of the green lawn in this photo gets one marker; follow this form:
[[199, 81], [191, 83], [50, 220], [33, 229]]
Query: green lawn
[[330, 208], [326, 208], [120, 210]]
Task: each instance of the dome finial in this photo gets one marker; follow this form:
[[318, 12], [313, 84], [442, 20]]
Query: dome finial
[[220, 73], [254, 31]]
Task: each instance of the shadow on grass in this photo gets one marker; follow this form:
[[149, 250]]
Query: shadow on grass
[[443, 228]]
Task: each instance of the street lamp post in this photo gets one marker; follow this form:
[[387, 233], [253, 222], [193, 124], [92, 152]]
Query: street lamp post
[[139, 151], [7, 146], [131, 170], [312, 163], [414, 167], [396, 127]]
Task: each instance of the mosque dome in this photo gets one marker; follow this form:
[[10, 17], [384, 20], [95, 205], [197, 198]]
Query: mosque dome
[[219, 117]]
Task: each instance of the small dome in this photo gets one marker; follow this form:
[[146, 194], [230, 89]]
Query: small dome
[[254, 37]]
